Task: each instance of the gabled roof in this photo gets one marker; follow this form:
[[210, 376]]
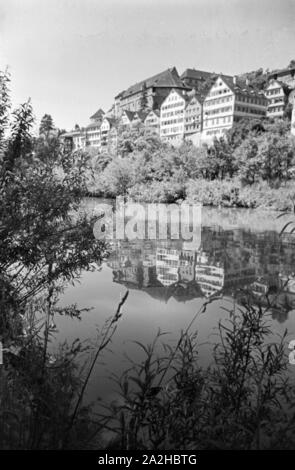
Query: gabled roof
[[98, 115], [194, 95], [141, 114], [196, 74], [174, 90], [237, 85], [111, 121], [153, 111], [167, 79], [199, 74], [129, 114], [93, 125]]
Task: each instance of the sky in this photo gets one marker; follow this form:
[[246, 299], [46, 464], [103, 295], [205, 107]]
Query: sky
[[72, 57]]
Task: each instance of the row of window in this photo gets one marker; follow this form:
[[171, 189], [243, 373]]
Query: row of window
[[95, 135], [171, 121], [193, 110], [173, 105], [274, 91], [217, 121], [224, 109], [219, 92], [191, 127], [250, 100], [172, 130], [171, 113], [276, 109], [245, 109], [217, 101], [275, 100]]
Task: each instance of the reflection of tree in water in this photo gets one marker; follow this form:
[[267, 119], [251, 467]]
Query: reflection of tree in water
[[226, 261]]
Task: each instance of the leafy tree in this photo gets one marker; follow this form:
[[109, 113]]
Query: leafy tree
[[118, 176], [205, 85], [257, 79], [278, 126], [42, 247], [221, 161], [246, 158], [4, 105], [268, 157], [46, 126], [143, 98], [276, 154], [288, 112], [241, 130]]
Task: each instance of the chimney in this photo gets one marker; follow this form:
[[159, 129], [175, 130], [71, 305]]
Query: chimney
[[234, 79], [247, 81]]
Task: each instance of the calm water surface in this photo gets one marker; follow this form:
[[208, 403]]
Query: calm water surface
[[168, 284]]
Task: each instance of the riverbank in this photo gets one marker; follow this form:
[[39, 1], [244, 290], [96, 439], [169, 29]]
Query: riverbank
[[217, 193]]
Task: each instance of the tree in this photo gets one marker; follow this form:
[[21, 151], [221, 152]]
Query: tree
[[221, 161], [268, 157], [241, 130], [257, 79], [46, 126], [276, 154], [143, 98], [42, 247], [204, 86], [118, 176], [246, 159]]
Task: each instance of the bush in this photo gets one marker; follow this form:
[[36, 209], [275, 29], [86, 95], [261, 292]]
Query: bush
[[166, 191], [232, 193]]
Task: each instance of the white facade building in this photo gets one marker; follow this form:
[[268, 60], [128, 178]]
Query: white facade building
[[152, 121], [229, 101], [276, 99], [172, 118]]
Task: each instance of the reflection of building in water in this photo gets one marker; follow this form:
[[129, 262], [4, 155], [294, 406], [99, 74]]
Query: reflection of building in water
[[288, 282], [223, 270], [226, 260], [187, 265], [167, 264], [175, 265], [210, 277], [264, 285]]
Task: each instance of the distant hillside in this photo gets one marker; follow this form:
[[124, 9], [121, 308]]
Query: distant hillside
[[258, 78]]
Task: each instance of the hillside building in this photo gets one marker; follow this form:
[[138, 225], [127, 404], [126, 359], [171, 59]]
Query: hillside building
[[149, 93], [230, 100], [277, 98]]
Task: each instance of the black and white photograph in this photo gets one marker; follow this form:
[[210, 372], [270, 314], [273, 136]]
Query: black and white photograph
[[147, 230]]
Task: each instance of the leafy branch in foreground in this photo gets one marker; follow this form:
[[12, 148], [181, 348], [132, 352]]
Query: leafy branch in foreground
[[46, 242], [244, 400]]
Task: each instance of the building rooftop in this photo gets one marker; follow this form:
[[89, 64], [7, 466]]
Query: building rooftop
[[98, 115], [154, 111], [197, 74], [129, 114], [167, 79], [142, 114], [236, 84], [285, 87], [278, 73]]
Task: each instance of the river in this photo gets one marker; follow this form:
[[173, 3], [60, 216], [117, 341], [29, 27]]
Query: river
[[169, 282]]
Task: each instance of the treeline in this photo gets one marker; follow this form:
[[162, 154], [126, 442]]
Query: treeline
[[253, 166]]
